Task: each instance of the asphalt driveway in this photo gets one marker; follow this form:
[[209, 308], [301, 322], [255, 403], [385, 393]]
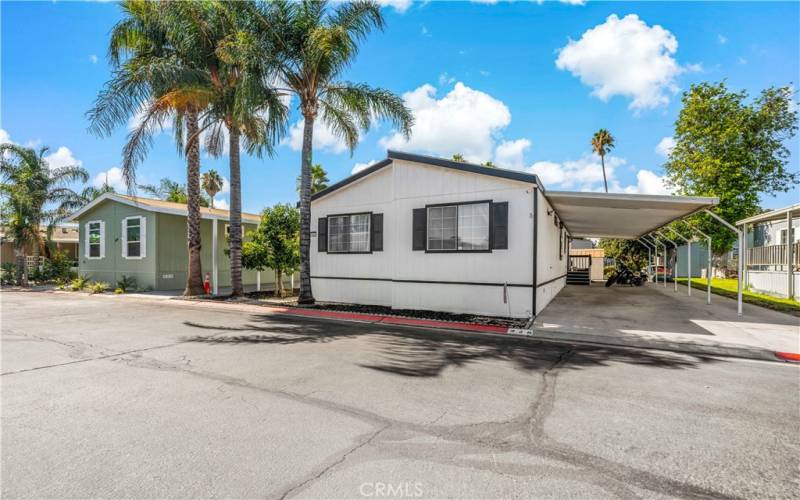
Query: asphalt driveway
[[117, 397]]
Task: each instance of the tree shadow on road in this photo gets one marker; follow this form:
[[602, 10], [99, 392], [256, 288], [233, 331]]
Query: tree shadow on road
[[418, 352]]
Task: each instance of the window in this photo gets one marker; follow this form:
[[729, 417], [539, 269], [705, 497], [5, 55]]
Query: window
[[228, 230], [783, 236], [94, 240], [349, 233], [463, 228], [133, 237]]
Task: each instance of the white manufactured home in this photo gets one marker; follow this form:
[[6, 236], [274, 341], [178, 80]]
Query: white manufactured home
[[415, 232]]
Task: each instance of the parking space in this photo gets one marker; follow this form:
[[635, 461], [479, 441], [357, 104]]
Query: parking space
[[653, 312]]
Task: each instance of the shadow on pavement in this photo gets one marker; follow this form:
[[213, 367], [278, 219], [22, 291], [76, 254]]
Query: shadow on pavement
[[426, 353]]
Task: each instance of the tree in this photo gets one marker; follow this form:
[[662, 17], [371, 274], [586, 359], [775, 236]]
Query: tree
[[629, 252], [489, 164], [91, 193], [459, 158], [212, 184], [169, 190], [40, 196], [158, 77], [602, 143], [733, 148], [275, 244], [316, 43], [319, 179]]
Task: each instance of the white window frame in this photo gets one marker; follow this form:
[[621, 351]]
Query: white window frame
[[142, 237], [228, 230], [781, 235], [87, 251], [368, 215], [458, 206]]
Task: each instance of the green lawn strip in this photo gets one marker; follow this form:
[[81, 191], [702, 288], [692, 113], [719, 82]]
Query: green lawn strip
[[727, 288]]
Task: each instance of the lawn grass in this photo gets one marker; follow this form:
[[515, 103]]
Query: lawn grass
[[727, 288]]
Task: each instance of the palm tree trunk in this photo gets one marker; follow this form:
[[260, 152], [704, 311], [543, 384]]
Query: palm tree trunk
[[603, 163], [235, 227], [21, 272], [306, 296], [194, 278]]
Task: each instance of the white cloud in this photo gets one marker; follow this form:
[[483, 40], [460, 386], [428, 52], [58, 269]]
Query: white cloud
[[573, 2], [510, 154], [665, 146], [398, 5], [5, 138], [324, 139], [62, 157], [722, 39], [221, 203], [742, 60], [585, 174], [114, 178], [93, 59], [358, 167], [625, 57], [464, 121], [226, 186]]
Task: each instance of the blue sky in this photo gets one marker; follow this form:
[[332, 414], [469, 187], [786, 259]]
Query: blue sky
[[522, 84]]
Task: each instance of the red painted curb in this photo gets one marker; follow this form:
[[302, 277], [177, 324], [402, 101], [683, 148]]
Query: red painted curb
[[788, 356], [389, 320]]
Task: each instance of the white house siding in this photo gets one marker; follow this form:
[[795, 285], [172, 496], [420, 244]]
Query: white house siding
[[392, 277], [551, 266]]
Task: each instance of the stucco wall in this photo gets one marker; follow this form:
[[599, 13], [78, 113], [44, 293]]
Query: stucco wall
[[406, 279]]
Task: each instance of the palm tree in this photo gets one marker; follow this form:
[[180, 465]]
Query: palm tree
[[169, 190], [459, 158], [158, 77], [602, 143], [212, 184], [317, 42], [319, 179], [38, 195], [91, 193]]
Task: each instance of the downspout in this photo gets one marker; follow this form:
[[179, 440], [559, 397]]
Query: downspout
[[535, 251]]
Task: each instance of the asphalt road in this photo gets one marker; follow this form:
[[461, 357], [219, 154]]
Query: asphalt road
[[116, 397]]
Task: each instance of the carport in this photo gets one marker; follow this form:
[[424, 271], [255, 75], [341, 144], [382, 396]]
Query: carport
[[639, 217]]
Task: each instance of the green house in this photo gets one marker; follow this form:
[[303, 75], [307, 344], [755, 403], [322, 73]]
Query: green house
[[147, 239]]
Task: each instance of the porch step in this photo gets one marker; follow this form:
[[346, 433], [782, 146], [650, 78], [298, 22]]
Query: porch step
[[579, 277]]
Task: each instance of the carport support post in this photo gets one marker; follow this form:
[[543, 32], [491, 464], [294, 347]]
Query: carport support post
[[688, 260], [708, 254], [674, 269], [789, 256], [214, 258], [649, 256], [740, 264], [655, 261]]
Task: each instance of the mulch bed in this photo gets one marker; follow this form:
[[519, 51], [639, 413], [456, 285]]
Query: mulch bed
[[267, 298]]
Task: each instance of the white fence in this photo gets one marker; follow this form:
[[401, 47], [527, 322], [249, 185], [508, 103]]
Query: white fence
[[773, 283]]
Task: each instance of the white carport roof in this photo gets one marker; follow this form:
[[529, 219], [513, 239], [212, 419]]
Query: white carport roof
[[618, 215]]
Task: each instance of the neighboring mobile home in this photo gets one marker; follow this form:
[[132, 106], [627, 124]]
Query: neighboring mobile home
[[147, 239], [415, 232]]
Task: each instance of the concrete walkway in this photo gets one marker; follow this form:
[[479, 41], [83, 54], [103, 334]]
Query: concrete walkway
[[652, 313]]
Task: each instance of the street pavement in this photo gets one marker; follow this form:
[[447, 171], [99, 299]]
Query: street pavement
[[120, 397]]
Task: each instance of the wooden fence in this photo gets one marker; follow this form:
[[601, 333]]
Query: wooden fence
[[772, 255]]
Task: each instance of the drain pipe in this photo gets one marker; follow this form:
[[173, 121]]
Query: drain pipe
[[688, 259], [674, 269]]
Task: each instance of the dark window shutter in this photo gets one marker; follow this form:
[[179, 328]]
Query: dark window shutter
[[419, 229], [500, 226], [322, 234], [377, 232]]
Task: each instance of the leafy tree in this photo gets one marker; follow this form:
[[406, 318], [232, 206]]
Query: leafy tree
[[169, 190], [630, 252], [459, 158], [734, 148], [91, 193], [212, 184], [602, 143], [39, 196], [316, 42], [489, 164], [319, 179], [275, 243]]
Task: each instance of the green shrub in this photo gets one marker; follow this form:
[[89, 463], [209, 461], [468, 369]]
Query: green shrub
[[119, 291], [99, 287], [7, 273], [126, 283], [57, 266], [79, 283]]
